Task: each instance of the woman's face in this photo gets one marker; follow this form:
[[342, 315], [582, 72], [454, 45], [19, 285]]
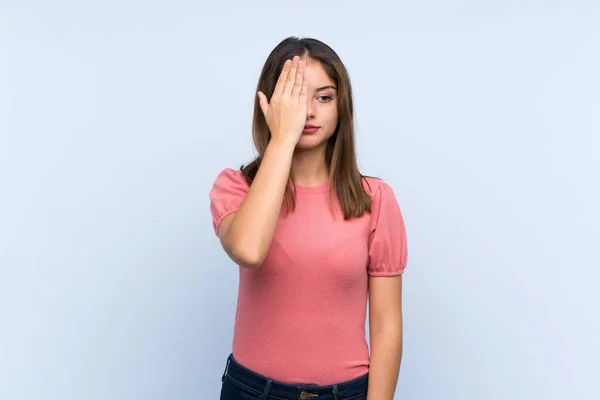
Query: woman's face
[[322, 107]]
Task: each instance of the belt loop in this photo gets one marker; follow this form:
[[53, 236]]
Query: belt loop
[[335, 393], [226, 368], [267, 389]]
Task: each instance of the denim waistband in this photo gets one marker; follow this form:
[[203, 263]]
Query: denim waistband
[[272, 389]]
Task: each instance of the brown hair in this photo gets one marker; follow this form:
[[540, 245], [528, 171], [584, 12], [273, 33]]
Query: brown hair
[[340, 153]]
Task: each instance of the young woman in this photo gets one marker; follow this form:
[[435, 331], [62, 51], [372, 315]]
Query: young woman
[[312, 237]]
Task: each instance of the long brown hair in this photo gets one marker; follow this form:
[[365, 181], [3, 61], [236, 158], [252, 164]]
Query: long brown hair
[[340, 153]]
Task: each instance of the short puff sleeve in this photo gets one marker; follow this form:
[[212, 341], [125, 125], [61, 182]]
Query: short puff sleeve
[[227, 194], [387, 242]]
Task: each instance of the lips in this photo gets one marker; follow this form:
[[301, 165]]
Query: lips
[[308, 129]]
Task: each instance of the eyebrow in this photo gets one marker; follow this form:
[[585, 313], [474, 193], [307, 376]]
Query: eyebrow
[[326, 87]]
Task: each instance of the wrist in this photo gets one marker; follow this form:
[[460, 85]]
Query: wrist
[[282, 144]]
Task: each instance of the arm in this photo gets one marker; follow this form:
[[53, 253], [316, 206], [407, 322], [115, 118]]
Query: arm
[[385, 327], [246, 234]]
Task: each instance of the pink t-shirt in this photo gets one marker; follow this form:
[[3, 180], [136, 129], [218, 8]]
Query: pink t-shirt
[[301, 315]]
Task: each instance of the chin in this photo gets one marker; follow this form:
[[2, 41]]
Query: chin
[[310, 142]]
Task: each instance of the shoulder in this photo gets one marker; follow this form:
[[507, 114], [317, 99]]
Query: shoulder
[[229, 182], [229, 176], [378, 189]]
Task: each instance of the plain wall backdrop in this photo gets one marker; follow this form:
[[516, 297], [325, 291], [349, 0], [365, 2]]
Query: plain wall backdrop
[[116, 117]]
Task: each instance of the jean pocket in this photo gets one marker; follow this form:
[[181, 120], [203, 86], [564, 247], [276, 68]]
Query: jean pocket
[[234, 390]]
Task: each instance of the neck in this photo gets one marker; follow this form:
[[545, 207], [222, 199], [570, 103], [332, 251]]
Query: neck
[[309, 167]]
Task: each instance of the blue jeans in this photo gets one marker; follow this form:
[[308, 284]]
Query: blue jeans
[[241, 383]]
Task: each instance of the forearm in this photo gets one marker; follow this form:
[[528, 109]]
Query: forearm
[[386, 354], [253, 225]]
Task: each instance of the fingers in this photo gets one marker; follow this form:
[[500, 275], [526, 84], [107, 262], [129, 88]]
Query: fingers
[[264, 104], [280, 85], [291, 82], [291, 79], [297, 89], [304, 90]]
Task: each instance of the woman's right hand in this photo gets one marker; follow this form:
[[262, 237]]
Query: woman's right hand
[[286, 113]]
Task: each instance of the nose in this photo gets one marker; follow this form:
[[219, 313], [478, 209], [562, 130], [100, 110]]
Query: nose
[[310, 110]]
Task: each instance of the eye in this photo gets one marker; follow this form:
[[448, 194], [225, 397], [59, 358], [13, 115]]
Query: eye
[[324, 99]]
